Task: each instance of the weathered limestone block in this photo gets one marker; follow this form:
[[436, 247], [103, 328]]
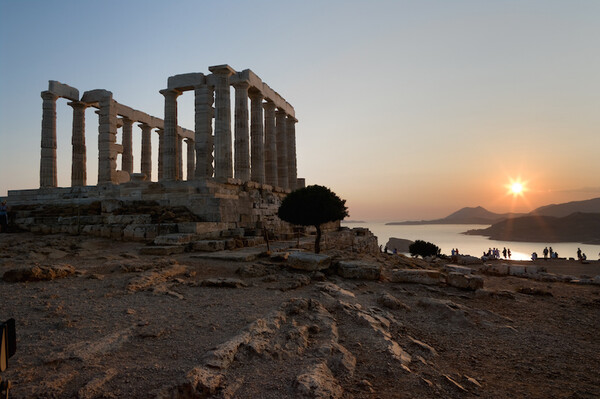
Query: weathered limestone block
[[308, 261], [497, 270], [357, 269], [418, 276], [208, 245], [464, 281], [458, 269], [38, 273], [162, 251], [173, 239]]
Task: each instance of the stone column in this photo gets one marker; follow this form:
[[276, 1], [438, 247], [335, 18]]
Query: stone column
[[270, 144], [242, 134], [161, 146], [223, 151], [48, 147], [257, 156], [191, 159], [179, 157], [169, 147], [107, 141], [282, 151], [127, 159], [291, 155], [78, 160], [203, 124], [146, 164]]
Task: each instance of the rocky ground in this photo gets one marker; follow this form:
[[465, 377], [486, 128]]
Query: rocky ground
[[95, 319]]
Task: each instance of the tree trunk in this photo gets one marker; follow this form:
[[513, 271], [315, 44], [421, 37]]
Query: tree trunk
[[318, 240]]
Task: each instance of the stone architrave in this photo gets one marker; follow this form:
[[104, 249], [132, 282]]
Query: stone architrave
[[282, 150], [107, 139], [191, 158], [223, 150], [204, 139], [127, 159], [257, 155], [242, 139], [270, 144], [291, 156], [161, 145], [170, 170], [78, 160], [48, 151], [146, 163]]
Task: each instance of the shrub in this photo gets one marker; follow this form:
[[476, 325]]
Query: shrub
[[423, 248]]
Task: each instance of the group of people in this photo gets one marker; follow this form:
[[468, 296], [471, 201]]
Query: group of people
[[581, 256], [494, 253]]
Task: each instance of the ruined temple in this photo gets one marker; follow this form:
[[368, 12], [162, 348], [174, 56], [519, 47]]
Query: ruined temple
[[235, 178]]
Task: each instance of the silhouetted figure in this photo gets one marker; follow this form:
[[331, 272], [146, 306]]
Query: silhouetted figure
[[551, 253], [504, 253], [385, 250], [545, 252], [534, 256], [3, 217], [579, 253], [509, 253]]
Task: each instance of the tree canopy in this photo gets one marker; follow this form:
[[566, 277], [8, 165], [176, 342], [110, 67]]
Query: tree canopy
[[312, 206]]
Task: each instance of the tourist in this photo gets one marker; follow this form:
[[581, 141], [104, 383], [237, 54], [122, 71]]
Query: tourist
[[551, 253], [534, 256], [3, 217], [509, 253], [504, 253], [578, 253], [545, 252]]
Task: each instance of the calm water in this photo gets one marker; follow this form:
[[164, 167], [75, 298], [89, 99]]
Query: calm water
[[448, 236]]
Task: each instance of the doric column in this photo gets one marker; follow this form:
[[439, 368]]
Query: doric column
[[191, 159], [270, 144], [223, 151], [242, 133], [169, 148], [203, 124], [48, 153], [146, 164], [179, 157], [127, 159], [257, 156], [291, 155], [161, 146], [282, 151], [78, 160], [107, 140]]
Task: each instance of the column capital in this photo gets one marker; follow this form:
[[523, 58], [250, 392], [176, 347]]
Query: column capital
[[241, 85], [280, 112], [255, 95], [172, 93], [222, 70], [291, 119], [143, 125], [269, 105], [77, 104], [48, 95]]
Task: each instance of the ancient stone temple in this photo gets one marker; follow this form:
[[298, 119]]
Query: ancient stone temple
[[235, 176]]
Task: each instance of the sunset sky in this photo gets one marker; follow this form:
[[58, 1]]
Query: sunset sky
[[406, 109]]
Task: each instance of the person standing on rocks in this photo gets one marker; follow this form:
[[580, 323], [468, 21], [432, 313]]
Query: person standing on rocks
[[545, 252], [3, 217]]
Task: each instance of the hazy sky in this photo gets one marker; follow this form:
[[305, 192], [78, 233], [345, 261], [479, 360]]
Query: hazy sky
[[406, 109]]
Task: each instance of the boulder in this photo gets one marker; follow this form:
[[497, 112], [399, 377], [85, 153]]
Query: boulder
[[308, 261], [399, 244], [418, 276], [362, 270], [464, 281], [389, 301], [457, 269]]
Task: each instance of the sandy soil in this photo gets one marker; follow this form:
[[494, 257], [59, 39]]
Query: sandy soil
[[124, 325]]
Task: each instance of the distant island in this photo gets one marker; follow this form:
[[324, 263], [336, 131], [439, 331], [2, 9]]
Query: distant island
[[477, 215], [353, 221], [576, 221], [577, 227]]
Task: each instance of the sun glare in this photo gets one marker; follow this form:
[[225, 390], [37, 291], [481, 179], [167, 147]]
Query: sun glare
[[516, 188]]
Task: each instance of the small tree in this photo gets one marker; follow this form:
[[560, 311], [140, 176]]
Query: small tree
[[312, 206], [423, 248]]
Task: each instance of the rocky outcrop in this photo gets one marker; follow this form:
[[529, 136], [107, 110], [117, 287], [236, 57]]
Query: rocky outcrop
[[38, 273]]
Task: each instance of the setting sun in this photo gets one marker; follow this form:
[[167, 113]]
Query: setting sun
[[516, 188]]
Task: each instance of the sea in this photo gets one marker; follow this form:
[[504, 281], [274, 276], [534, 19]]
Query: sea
[[448, 236]]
